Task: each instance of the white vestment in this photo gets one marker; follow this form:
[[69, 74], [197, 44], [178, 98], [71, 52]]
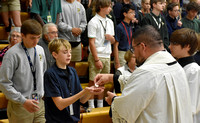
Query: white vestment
[[192, 71], [156, 92]]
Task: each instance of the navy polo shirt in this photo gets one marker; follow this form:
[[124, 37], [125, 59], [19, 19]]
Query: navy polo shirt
[[59, 82], [171, 24], [121, 36]]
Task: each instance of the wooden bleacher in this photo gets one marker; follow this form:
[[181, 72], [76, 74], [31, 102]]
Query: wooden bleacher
[[3, 106], [97, 115], [4, 36]]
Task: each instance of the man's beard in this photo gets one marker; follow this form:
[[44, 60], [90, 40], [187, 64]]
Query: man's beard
[[50, 39]]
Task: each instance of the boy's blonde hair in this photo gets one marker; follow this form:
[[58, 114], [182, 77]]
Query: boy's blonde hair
[[54, 45], [128, 55]]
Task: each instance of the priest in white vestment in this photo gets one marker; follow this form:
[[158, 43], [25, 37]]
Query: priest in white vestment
[[157, 91]]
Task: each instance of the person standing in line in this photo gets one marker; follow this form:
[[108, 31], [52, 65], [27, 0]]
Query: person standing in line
[[183, 45], [72, 23], [189, 21], [10, 9], [46, 11], [13, 38], [49, 32], [145, 9], [157, 20], [63, 92], [21, 76], [157, 91], [125, 70], [173, 23], [101, 36], [123, 35]]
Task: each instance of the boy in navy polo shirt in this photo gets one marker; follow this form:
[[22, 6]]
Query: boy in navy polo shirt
[[63, 92], [123, 35]]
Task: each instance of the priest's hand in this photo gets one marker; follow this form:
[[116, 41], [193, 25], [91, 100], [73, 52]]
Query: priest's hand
[[102, 79], [109, 97]]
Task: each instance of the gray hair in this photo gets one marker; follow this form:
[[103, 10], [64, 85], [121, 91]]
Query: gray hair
[[15, 29], [46, 27]]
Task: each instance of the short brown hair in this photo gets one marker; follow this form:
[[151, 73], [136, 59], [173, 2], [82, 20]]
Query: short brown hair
[[192, 6], [155, 1], [31, 26], [54, 45], [184, 37], [101, 4], [170, 6], [148, 35]]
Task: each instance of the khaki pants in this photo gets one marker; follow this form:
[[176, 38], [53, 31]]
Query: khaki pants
[[18, 114], [122, 61], [76, 53], [93, 71]]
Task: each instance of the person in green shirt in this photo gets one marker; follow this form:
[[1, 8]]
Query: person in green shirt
[[189, 21], [46, 11]]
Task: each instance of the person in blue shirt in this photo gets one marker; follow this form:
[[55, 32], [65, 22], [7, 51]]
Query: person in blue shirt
[[118, 7], [123, 35], [173, 23], [63, 92]]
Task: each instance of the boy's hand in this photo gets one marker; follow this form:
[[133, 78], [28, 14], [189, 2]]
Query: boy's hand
[[135, 21], [30, 105], [110, 38], [95, 90], [179, 23], [99, 64]]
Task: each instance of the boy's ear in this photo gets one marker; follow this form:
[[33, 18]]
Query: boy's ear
[[54, 54], [124, 13], [22, 34], [153, 5]]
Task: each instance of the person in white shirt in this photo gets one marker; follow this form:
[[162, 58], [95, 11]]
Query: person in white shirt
[[183, 45], [126, 70], [101, 36], [157, 91]]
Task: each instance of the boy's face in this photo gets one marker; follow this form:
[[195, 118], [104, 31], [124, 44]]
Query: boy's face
[[192, 14], [30, 40], [130, 14], [159, 6], [106, 10], [177, 51], [146, 5], [175, 12], [63, 57]]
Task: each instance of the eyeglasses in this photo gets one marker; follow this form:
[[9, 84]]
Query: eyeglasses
[[132, 49], [54, 32], [176, 10], [133, 12], [17, 36]]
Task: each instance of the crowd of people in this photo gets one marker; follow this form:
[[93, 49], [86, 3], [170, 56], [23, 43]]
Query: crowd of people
[[155, 45]]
